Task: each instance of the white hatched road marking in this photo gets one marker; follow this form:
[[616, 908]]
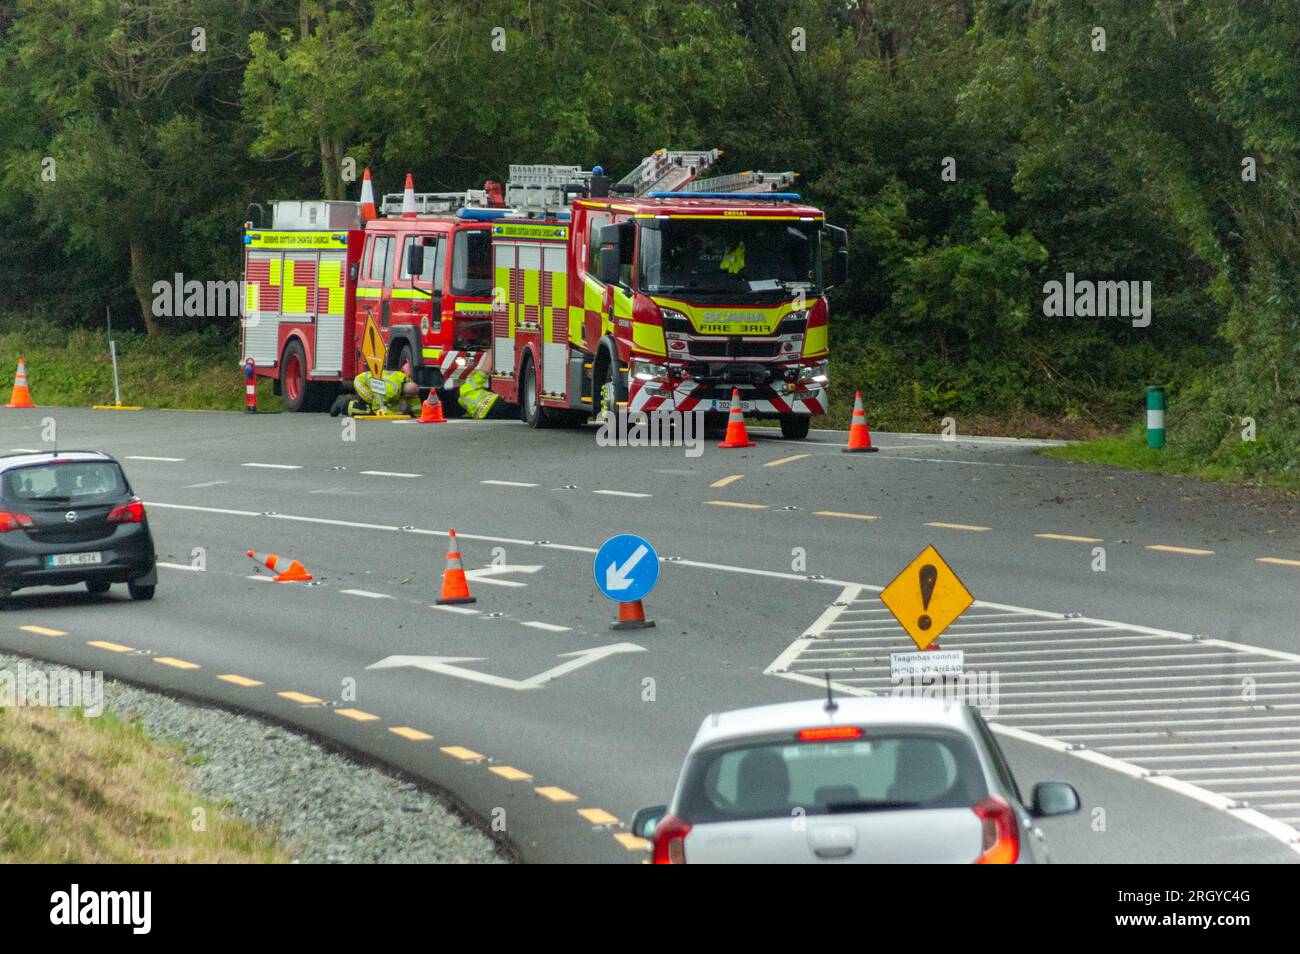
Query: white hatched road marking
[[1210, 719], [367, 593]]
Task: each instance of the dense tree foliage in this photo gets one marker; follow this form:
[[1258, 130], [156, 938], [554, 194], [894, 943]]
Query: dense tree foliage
[[976, 149]]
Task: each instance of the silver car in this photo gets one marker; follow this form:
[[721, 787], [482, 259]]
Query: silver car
[[866, 780]]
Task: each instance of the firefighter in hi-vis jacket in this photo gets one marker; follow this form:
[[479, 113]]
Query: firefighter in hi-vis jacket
[[478, 399], [386, 393]]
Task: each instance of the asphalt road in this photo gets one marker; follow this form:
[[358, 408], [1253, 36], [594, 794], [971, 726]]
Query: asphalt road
[[1184, 748]]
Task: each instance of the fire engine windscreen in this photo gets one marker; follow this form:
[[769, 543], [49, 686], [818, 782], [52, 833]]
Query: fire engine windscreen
[[471, 263], [730, 257]]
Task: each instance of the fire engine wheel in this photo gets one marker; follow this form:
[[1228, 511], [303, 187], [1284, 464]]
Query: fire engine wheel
[[530, 406], [298, 393], [794, 427]]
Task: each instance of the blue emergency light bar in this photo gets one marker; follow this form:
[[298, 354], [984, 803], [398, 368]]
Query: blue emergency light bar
[[484, 215], [770, 196]]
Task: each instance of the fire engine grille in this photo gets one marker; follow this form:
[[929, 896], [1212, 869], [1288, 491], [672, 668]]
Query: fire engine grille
[[734, 348]]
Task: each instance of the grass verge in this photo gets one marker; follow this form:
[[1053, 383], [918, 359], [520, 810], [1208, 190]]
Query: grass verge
[[79, 790], [1130, 451]]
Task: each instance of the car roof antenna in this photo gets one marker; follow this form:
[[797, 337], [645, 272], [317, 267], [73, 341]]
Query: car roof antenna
[[831, 704]]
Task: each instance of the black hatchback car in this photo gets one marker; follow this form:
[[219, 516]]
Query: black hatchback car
[[71, 517]]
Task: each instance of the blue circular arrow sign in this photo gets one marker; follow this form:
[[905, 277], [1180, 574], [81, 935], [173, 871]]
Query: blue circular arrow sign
[[626, 568]]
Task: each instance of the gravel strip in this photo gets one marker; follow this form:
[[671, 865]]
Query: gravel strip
[[324, 806]]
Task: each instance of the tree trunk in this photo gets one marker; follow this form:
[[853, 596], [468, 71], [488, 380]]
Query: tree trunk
[[143, 287]]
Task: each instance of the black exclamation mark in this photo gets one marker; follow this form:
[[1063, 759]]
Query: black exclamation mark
[[929, 575]]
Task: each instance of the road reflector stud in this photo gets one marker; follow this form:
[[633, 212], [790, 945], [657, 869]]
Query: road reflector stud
[[295, 572], [859, 433], [455, 588]]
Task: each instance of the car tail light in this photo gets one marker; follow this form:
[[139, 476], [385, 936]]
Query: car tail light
[[132, 512], [830, 733], [11, 520], [1001, 844], [670, 841]]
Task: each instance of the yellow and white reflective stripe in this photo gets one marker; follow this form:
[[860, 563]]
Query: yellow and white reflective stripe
[[431, 352], [475, 307], [303, 240], [409, 293], [528, 231], [369, 292]]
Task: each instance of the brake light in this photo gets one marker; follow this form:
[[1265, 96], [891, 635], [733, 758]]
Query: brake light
[[132, 512], [670, 841], [830, 733], [11, 520], [1001, 841]]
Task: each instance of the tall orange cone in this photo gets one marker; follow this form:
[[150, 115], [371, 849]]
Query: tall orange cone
[[736, 435], [455, 588], [367, 198], [859, 434], [295, 572], [431, 409], [631, 616], [22, 396], [408, 198]]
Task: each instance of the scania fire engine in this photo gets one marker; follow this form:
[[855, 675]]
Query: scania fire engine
[[661, 292], [328, 276]]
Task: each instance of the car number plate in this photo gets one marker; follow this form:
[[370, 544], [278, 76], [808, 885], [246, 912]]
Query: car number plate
[[74, 559]]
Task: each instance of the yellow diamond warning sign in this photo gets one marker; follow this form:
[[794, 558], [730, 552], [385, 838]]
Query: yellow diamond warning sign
[[372, 347], [926, 598]]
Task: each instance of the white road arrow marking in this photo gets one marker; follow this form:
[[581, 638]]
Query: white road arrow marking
[[616, 577], [486, 574], [446, 665]]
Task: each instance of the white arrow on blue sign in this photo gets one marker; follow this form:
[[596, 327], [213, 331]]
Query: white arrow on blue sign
[[626, 568]]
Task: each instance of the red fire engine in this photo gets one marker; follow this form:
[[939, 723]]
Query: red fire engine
[[320, 276], [661, 292]]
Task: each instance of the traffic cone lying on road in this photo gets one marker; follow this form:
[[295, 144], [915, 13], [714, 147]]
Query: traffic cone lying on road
[[736, 435], [295, 572], [859, 435], [431, 410], [631, 616], [455, 588], [22, 396]]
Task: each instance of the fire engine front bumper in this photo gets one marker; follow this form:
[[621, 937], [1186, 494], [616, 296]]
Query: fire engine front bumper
[[762, 400]]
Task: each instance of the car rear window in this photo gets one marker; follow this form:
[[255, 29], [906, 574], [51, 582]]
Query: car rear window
[[80, 481], [879, 773]]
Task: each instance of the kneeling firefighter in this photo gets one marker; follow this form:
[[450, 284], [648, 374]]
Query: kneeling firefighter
[[386, 393], [480, 401]]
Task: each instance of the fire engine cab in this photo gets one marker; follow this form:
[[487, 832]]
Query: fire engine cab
[[661, 292], [420, 274]]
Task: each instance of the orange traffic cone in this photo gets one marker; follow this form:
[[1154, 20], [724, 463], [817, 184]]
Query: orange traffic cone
[[408, 198], [455, 588], [22, 396], [431, 409], [295, 572], [859, 435], [367, 198], [736, 435], [631, 616]]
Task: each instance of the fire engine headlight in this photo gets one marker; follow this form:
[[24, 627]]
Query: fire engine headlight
[[461, 362], [675, 321], [648, 370], [816, 373]]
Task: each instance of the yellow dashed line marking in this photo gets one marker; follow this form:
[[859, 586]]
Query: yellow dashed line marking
[[1277, 560], [555, 794], [111, 647], [846, 516], [462, 753], [1068, 537], [42, 631], [358, 715], [406, 732], [1190, 551], [598, 816], [297, 697], [727, 480], [510, 774], [631, 842], [176, 663], [958, 526], [736, 503], [240, 680], [786, 460]]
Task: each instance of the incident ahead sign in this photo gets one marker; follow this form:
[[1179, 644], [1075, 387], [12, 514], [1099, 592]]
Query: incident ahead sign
[[926, 597], [372, 347]]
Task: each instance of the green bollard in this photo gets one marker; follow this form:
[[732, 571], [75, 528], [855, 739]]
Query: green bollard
[[1155, 417]]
